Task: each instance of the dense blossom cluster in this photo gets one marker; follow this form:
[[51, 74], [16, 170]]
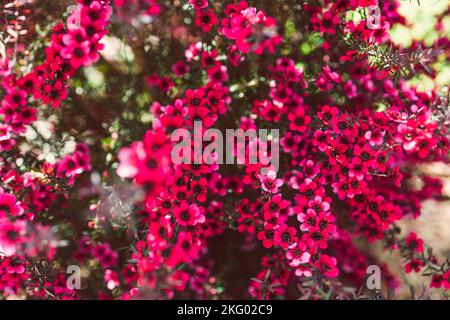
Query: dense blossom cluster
[[25, 195], [351, 135]]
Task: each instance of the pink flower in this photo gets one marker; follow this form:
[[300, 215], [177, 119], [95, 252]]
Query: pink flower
[[285, 236], [298, 254], [397, 176], [12, 236], [206, 19], [414, 265]]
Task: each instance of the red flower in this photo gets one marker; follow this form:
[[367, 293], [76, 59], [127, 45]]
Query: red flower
[[397, 177], [217, 73], [367, 3], [12, 236], [285, 236], [9, 207], [206, 19], [159, 233], [199, 189], [267, 236], [366, 154], [188, 215], [414, 265], [199, 4], [440, 280], [268, 110], [298, 255], [298, 120], [325, 223], [328, 113], [327, 265], [186, 249], [276, 204], [105, 255]]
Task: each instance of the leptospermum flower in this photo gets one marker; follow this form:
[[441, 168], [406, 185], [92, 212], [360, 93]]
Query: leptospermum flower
[[270, 183], [327, 265], [414, 265], [414, 243], [180, 68], [206, 19], [188, 215], [12, 236], [298, 254], [285, 236], [111, 279], [5, 69], [9, 206], [199, 4], [341, 156], [267, 236]]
